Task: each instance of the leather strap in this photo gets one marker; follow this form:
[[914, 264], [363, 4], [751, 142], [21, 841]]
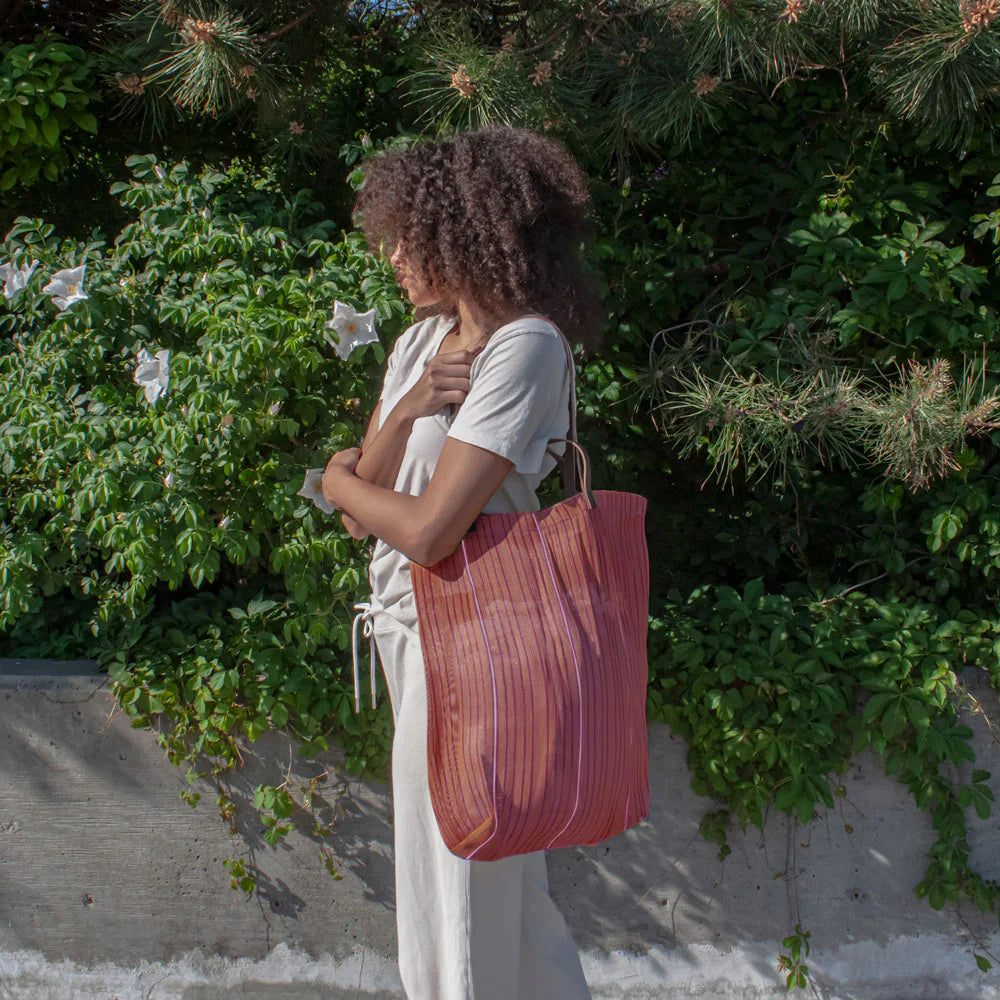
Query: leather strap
[[569, 462]]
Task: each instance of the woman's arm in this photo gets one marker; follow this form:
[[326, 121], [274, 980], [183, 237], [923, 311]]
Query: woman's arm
[[382, 449], [445, 379], [381, 456], [428, 527]]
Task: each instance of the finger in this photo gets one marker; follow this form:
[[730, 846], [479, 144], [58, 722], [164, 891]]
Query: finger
[[460, 357], [456, 396], [450, 371], [445, 383]]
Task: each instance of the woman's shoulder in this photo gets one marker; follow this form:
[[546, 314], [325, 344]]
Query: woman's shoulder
[[531, 323], [536, 338], [530, 349]]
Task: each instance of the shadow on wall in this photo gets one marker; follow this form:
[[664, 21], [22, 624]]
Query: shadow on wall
[[101, 860], [848, 876]]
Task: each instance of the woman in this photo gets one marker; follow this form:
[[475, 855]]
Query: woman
[[485, 232]]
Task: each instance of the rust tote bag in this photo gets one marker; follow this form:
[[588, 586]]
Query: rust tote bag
[[533, 634]]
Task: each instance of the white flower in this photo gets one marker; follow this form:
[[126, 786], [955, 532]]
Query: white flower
[[353, 329], [160, 172], [15, 279], [224, 523], [66, 287], [168, 480], [312, 489], [273, 408], [152, 373]]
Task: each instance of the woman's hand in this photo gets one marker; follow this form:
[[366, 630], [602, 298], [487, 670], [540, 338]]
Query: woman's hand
[[341, 464], [445, 379], [354, 528]]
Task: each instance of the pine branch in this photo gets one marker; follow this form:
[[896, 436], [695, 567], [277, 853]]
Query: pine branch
[[292, 25], [913, 425]]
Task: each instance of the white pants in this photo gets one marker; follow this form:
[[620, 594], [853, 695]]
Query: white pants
[[468, 930]]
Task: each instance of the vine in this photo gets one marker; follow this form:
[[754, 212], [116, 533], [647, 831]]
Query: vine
[[776, 692]]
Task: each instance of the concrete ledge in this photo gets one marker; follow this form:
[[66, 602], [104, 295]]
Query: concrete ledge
[[83, 675], [113, 887]]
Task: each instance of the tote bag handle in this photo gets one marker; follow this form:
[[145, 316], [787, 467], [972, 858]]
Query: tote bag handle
[[574, 469]]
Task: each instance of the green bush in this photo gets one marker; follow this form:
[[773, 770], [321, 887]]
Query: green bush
[[169, 532], [45, 90]]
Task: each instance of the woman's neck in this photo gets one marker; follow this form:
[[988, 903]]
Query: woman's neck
[[476, 325]]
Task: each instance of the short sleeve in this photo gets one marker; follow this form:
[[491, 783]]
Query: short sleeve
[[518, 397], [390, 369], [399, 350]]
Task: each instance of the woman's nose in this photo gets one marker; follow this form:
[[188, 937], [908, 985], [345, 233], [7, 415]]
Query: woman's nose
[[397, 255]]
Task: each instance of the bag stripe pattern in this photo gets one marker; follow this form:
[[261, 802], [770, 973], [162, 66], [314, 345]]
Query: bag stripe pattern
[[534, 640]]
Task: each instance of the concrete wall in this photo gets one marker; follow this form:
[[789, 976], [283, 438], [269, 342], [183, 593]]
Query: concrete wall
[[112, 888]]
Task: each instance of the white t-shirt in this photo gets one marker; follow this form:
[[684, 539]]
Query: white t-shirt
[[518, 399]]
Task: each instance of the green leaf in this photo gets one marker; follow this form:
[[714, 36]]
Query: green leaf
[[982, 797], [893, 721], [50, 129], [937, 896], [804, 808], [86, 121], [897, 288], [876, 705]]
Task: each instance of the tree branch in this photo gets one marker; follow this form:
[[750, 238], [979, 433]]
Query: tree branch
[[292, 25]]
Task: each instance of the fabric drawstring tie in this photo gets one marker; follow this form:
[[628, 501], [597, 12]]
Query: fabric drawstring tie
[[365, 616], [367, 610]]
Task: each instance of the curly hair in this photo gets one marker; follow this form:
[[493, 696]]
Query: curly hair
[[500, 212]]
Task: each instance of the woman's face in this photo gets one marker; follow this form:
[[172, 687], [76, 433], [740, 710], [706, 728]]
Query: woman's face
[[419, 291]]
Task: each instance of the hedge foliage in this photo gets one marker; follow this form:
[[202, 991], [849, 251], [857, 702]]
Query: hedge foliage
[[119, 512], [45, 92]]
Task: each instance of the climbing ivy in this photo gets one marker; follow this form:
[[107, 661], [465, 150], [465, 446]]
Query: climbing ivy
[[775, 693]]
